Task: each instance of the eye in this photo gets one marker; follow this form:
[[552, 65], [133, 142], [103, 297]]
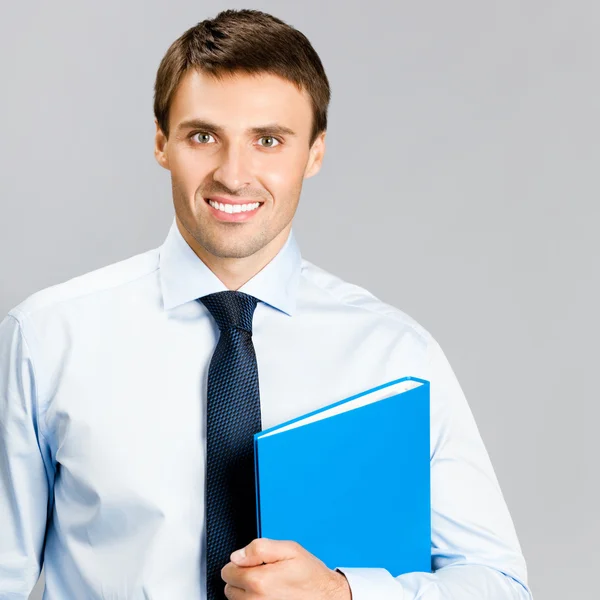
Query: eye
[[203, 135], [271, 140]]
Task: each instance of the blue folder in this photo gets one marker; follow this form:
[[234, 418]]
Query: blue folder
[[350, 482]]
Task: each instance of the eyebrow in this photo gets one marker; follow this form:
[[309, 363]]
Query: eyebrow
[[269, 129]]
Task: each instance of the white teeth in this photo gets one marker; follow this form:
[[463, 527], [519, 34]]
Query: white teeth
[[234, 208]]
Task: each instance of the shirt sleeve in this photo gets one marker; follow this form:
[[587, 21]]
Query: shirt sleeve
[[475, 552], [24, 484]]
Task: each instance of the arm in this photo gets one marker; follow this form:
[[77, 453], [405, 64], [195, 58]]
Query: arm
[[24, 483], [474, 546]]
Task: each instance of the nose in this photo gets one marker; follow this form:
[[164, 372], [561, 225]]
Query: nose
[[234, 168]]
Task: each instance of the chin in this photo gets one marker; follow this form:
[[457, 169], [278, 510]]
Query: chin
[[235, 248]]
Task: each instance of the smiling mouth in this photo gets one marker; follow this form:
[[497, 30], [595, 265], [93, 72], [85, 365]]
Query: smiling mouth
[[234, 212], [233, 208]]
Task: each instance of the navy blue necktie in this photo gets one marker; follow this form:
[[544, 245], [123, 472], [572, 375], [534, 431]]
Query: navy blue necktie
[[233, 417]]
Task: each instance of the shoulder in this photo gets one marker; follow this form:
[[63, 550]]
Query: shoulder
[[87, 285], [350, 295]]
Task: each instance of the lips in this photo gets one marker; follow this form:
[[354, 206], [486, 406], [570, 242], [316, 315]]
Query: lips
[[235, 217]]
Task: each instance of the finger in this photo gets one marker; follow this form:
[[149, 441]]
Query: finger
[[235, 575], [254, 581], [234, 593], [265, 550]]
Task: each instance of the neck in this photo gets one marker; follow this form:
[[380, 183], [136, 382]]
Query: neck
[[235, 272]]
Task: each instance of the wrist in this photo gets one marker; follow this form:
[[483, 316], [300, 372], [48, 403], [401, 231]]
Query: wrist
[[342, 589]]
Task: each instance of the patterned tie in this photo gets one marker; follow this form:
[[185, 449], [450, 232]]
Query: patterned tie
[[233, 417]]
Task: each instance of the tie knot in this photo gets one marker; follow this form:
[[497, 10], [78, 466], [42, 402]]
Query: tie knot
[[231, 309]]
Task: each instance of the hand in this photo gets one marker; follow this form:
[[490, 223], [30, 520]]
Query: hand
[[281, 570]]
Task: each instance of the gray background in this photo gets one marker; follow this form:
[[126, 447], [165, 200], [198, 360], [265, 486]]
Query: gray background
[[459, 184]]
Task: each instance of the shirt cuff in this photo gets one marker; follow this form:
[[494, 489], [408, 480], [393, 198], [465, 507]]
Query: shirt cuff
[[370, 583]]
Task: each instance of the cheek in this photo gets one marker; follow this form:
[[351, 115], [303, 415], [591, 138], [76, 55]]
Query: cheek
[[282, 177], [188, 170]]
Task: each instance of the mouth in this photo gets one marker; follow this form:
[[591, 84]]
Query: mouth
[[233, 212]]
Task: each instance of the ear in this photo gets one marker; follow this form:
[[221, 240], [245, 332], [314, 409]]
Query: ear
[[160, 147], [315, 157]]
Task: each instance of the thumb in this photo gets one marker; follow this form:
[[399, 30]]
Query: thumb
[[264, 550]]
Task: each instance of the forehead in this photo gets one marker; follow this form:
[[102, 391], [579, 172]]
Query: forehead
[[241, 100]]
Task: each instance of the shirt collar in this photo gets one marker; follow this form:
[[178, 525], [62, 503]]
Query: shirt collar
[[185, 277]]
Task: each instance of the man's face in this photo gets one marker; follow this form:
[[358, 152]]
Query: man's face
[[241, 138]]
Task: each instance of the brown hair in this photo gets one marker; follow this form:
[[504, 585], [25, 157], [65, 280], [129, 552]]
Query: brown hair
[[247, 41]]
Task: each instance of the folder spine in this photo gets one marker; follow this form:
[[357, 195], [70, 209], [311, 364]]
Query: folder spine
[[257, 489]]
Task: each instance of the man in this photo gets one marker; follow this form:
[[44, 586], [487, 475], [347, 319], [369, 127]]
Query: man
[[129, 395]]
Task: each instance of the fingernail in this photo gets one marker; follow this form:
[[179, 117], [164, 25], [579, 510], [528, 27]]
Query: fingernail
[[238, 554]]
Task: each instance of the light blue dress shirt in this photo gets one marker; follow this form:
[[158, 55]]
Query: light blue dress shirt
[[102, 427]]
